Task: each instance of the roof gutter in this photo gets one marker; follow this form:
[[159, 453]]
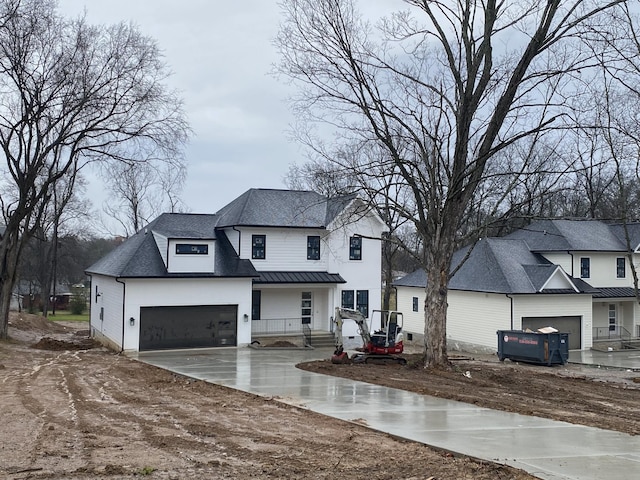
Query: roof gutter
[[572, 259], [239, 239]]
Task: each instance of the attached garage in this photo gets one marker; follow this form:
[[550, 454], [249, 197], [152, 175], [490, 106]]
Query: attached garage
[[174, 327], [569, 324]]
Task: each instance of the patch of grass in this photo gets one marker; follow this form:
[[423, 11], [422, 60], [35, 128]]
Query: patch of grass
[[66, 316], [147, 471]]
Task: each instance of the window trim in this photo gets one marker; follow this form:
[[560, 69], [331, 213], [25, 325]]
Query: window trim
[[621, 267], [355, 248], [313, 251], [585, 267], [362, 307], [192, 249], [258, 252]]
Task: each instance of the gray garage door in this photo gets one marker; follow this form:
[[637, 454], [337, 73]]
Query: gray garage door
[[570, 325], [188, 327]]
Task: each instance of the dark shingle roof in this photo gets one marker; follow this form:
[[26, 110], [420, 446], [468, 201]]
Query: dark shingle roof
[[138, 256], [569, 235], [282, 208], [496, 265]]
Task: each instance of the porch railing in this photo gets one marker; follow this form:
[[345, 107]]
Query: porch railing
[[276, 326], [620, 333]]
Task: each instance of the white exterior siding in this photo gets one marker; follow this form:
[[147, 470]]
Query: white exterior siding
[[475, 317], [285, 250], [556, 306], [163, 246], [106, 308], [182, 292], [564, 259], [413, 321], [191, 263]]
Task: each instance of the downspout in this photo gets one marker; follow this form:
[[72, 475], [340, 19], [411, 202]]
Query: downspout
[[124, 285], [511, 314], [239, 239], [571, 255]]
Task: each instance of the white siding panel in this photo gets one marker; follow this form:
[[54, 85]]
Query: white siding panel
[[413, 321], [563, 259], [191, 263], [110, 304], [556, 306], [163, 245], [286, 249], [475, 317]]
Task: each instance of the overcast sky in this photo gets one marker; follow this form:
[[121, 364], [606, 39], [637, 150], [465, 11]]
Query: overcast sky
[[220, 53]]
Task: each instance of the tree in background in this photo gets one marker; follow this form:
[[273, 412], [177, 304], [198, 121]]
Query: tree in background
[[443, 87], [73, 94]]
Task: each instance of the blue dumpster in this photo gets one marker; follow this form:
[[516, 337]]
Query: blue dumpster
[[533, 347]]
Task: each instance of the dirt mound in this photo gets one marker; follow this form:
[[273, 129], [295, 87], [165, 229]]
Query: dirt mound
[[281, 344], [29, 322], [48, 343]]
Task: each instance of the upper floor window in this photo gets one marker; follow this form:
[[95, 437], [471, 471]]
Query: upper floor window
[[355, 248], [313, 247], [585, 267], [258, 247], [191, 249], [415, 304], [620, 267]]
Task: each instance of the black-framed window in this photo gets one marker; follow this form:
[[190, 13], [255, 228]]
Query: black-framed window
[[355, 248], [258, 247], [313, 247], [256, 301], [348, 299], [585, 267], [362, 302], [415, 304], [621, 267], [192, 249]]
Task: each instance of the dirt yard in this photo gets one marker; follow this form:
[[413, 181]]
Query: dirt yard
[[72, 410]]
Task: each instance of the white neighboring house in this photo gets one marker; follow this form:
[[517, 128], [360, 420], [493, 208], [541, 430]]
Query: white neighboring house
[[573, 275], [269, 262]]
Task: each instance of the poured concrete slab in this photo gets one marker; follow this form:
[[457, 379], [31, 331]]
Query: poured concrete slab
[[547, 449]]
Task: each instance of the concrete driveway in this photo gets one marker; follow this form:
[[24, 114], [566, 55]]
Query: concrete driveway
[[547, 449], [627, 359]]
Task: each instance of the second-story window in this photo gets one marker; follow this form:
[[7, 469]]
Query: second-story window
[[585, 267], [355, 248], [620, 268], [313, 247], [258, 247]]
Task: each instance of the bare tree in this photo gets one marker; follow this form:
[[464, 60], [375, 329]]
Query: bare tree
[[72, 94], [139, 192], [442, 86]]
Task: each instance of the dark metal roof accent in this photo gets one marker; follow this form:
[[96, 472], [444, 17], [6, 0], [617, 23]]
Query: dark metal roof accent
[[299, 277], [614, 292]]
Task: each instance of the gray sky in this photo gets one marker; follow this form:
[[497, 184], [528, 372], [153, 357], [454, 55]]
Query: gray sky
[[221, 53]]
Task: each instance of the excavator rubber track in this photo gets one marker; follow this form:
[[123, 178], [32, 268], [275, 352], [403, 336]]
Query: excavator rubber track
[[374, 359]]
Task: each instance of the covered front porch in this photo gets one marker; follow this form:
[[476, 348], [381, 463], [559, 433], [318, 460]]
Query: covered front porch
[[616, 319]]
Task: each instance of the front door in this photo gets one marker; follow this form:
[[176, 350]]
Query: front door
[[306, 311], [613, 320]]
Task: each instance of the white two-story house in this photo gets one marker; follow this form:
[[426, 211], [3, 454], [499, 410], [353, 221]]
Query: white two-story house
[[573, 275], [270, 262]]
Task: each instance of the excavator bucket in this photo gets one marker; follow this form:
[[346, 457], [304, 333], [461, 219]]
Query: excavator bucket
[[340, 356]]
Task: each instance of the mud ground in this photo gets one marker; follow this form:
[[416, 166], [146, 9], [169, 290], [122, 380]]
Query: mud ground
[[70, 409]]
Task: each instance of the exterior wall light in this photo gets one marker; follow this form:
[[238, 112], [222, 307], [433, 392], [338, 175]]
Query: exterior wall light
[[246, 317], [132, 321]]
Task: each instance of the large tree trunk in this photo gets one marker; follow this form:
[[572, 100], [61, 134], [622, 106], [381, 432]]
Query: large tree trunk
[[435, 313], [9, 250]]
